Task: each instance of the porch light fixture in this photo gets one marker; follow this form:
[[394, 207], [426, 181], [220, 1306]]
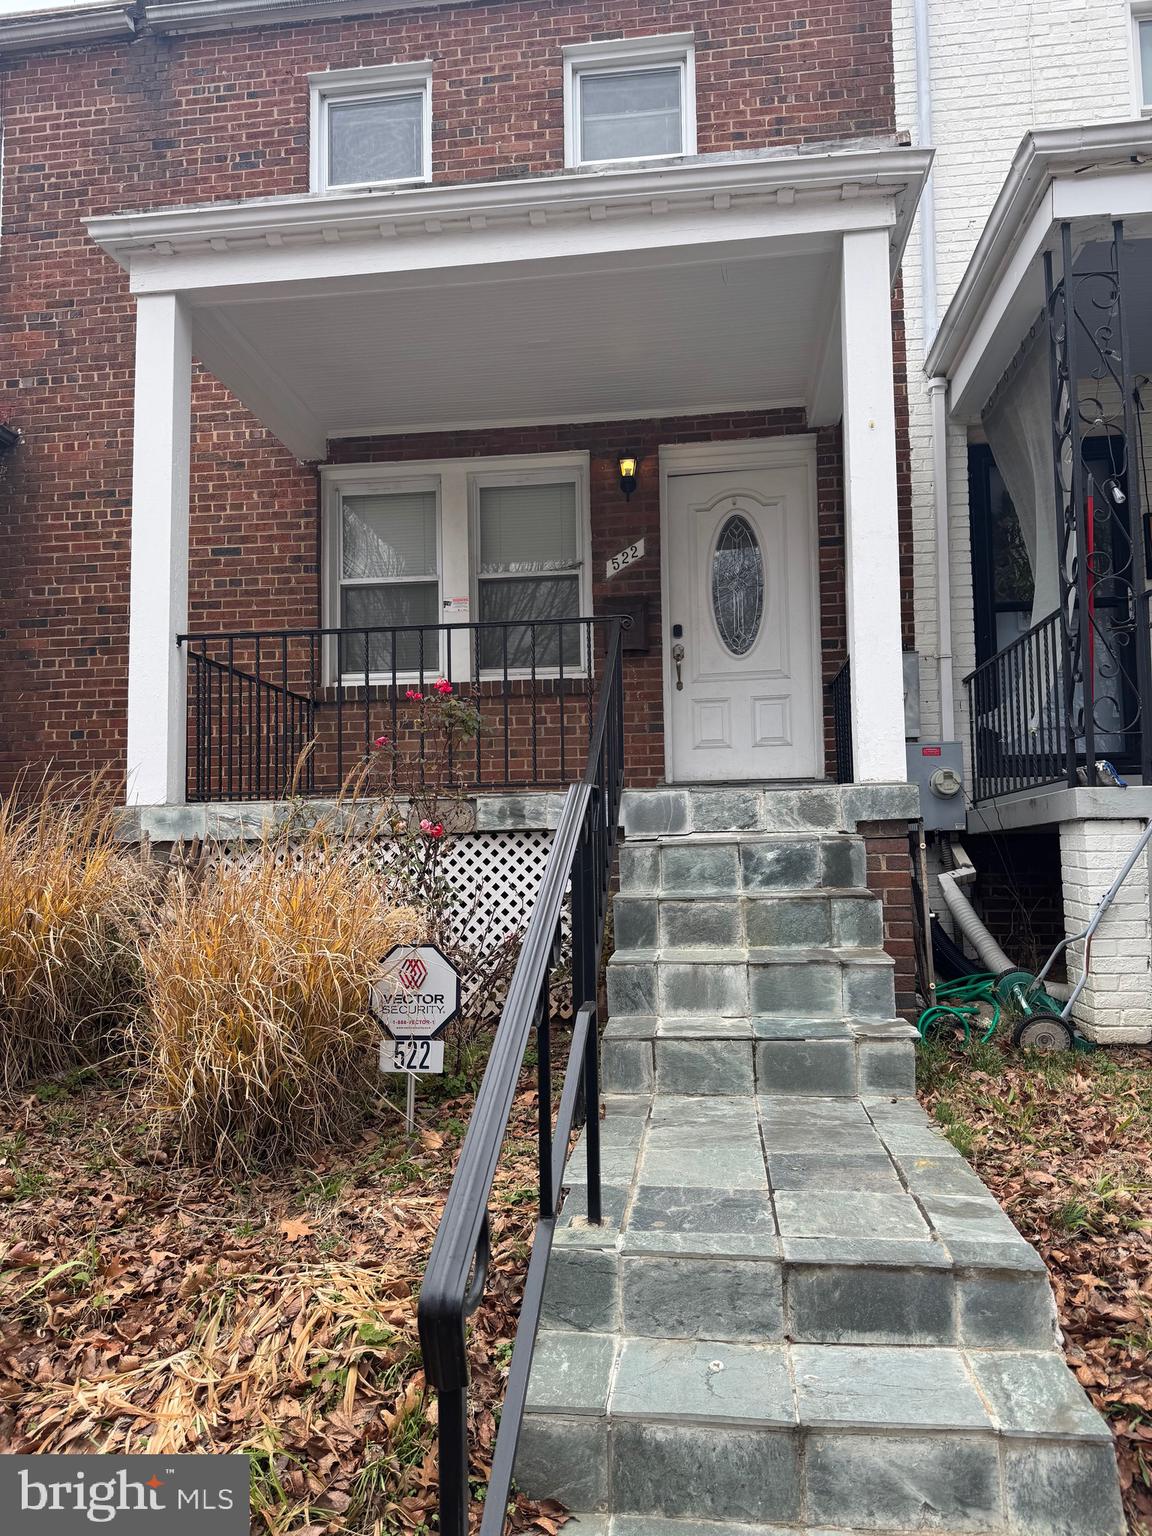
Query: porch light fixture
[[629, 473]]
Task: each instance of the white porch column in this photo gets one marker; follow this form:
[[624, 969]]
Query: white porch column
[[157, 718], [872, 544]]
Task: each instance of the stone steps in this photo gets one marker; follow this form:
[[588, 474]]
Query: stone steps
[[689, 1055], [809, 1436], [719, 864], [785, 983], [803, 1312], [804, 1315], [805, 919], [799, 1220], [647, 813]]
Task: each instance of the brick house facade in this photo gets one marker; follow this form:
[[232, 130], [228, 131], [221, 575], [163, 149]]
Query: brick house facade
[[184, 113], [156, 119]]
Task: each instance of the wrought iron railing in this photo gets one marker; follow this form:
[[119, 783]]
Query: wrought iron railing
[[272, 711], [840, 695], [581, 860], [1018, 714]]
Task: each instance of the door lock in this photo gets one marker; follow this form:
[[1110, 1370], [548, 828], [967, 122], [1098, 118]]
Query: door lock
[[678, 658]]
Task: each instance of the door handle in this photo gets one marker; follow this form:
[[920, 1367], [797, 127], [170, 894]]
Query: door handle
[[678, 658]]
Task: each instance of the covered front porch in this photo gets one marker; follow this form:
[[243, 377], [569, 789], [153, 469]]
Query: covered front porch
[[471, 367]]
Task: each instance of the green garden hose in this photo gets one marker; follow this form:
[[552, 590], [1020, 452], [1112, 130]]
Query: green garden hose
[[958, 1004]]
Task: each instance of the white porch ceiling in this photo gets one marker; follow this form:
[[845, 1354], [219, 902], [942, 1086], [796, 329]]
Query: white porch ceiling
[[640, 338], [701, 285]]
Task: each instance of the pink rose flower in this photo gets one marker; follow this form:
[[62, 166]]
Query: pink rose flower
[[381, 741], [442, 686], [414, 694]]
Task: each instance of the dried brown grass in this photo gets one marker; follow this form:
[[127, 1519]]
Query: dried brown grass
[[70, 902], [255, 1042]]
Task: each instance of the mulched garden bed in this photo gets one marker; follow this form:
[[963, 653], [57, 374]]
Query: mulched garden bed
[[1065, 1144], [148, 1306]]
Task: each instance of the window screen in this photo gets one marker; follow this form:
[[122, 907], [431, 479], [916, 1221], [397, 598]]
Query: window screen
[[389, 577], [529, 564], [627, 114], [377, 139]]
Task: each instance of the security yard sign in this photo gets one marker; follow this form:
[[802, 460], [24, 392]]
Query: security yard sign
[[416, 998], [418, 994]]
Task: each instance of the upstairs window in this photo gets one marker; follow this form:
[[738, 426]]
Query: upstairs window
[[1144, 61], [629, 100], [371, 127]]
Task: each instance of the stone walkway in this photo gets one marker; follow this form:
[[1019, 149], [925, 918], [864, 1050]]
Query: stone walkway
[[803, 1311]]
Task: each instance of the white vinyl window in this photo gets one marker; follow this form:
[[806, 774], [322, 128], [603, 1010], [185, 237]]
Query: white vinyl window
[[1143, 24], [530, 564], [634, 99], [500, 541], [388, 574], [371, 127]]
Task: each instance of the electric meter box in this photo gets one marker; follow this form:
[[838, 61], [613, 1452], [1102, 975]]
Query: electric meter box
[[937, 767]]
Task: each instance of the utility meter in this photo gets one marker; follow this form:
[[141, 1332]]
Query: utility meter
[[937, 767]]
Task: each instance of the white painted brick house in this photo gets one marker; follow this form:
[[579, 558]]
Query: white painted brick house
[[974, 81]]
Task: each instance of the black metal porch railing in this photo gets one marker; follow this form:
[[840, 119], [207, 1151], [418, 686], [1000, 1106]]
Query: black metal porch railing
[[454, 1281], [258, 698], [1018, 714], [840, 693]]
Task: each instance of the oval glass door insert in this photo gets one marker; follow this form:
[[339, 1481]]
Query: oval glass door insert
[[738, 585]]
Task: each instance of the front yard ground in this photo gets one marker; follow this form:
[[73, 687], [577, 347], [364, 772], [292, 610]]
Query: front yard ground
[[145, 1306], [1064, 1142]]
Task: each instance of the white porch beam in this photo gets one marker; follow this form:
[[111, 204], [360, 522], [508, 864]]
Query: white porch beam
[[872, 543], [157, 719]]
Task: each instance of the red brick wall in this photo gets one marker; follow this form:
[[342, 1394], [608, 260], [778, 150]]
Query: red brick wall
[[616, 523], [171, 120], [890, 878]]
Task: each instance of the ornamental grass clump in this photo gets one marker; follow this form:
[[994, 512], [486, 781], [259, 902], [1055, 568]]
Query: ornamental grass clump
[[255, 1042], [70, 901]]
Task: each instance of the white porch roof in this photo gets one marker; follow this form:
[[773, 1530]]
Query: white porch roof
[[711, 284], [1088, 176]]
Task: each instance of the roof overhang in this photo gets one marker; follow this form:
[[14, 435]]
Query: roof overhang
[[72, 27], [220, 15], [710, 284], [1087, 176]]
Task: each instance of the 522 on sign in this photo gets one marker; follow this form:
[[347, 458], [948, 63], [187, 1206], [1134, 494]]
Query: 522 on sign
[[415, 1056]]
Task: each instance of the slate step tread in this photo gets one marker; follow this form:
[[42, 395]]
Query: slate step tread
[[812, 1386], [811, 1437]]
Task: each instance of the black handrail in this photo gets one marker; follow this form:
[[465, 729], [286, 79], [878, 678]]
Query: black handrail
[[533, 684], [581, 857]]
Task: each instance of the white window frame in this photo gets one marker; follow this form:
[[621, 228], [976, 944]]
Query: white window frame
[[345, 85], [335, 581], [623, 56], [564, 470], [457, 483], [1141, 12]]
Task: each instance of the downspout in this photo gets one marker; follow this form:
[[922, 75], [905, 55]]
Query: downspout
[[937, 387]]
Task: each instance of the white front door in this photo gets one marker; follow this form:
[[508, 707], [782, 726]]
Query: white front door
[[741, 606]]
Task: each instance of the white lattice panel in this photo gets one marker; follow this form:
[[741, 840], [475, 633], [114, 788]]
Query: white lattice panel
[[495, 874]]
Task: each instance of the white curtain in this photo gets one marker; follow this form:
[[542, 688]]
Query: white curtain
[[1019, 432]]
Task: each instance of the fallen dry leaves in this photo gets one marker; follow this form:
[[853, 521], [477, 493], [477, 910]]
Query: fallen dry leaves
[[1065, 1144], [145, 1306]]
